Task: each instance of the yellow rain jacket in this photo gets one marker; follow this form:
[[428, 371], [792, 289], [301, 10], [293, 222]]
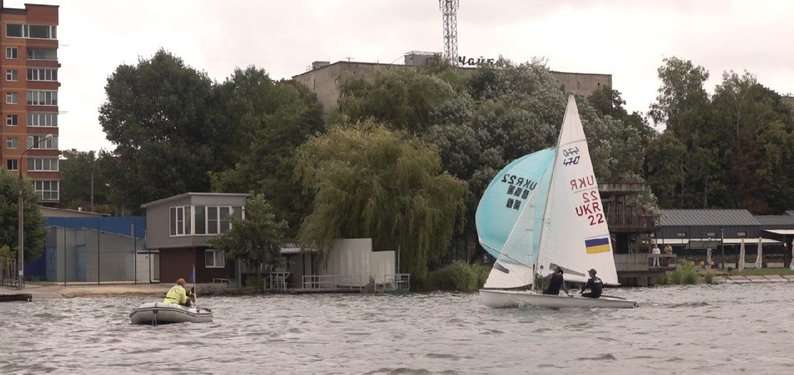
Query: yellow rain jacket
[[176, 295]]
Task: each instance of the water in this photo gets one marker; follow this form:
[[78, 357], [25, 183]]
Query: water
[[715, 329]]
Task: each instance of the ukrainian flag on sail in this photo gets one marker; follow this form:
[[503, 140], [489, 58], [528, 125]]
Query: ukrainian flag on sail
[[597, 245]]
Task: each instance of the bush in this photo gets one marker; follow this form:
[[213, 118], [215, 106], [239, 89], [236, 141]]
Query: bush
[[708, 278], [458, 276], [685, 274]]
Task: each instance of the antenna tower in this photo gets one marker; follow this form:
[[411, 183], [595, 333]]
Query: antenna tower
[[449, 11]]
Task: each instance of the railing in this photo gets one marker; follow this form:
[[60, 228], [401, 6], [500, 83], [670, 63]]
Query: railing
[[398, 282], [644, 262], [276, 281], [387, 283], [8, 272], [332, 282]]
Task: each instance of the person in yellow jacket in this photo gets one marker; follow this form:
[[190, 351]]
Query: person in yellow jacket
[[177, 295]]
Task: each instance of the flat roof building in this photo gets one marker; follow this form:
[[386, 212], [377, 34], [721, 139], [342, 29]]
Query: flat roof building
[[29, 100], [324, 77]]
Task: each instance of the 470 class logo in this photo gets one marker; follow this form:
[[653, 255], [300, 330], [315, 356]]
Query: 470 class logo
[[571, 156]]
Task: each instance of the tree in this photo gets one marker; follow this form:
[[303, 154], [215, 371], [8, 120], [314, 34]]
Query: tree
[[257, 238], [162, 117], [272, 119], [374, 182], [33, 223], [79, 169], [403, 99]]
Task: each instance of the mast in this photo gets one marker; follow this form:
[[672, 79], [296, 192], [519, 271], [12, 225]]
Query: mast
[[551, 183]]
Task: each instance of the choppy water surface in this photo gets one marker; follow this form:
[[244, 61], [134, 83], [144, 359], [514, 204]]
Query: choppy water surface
[[714, 329]]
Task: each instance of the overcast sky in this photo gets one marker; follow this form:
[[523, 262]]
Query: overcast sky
[[625, 38]]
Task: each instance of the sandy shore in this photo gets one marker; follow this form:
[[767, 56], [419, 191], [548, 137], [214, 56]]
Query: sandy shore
[[48, 290]]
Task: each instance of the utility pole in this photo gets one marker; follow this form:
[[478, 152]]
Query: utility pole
[[449, 12]]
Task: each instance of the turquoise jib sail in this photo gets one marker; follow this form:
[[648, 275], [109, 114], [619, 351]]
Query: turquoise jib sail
[[521, 185]]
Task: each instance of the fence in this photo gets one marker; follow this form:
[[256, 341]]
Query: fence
[[8, 272], [93, 255]]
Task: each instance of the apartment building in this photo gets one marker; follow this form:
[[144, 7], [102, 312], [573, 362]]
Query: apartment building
[[29, 99]]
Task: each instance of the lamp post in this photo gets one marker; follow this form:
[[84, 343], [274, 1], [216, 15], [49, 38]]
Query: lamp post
[[21, 214]]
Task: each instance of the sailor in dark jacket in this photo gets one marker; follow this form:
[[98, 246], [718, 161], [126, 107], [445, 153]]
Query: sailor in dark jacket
[[556, 282], [594, 284]]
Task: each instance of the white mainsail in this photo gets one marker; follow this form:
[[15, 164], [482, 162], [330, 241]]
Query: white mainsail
[[574, 234]]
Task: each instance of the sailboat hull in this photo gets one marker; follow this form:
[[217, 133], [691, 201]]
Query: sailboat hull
[[514, 298]]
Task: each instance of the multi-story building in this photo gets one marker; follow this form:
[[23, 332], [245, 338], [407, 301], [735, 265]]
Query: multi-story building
[[29, 98]]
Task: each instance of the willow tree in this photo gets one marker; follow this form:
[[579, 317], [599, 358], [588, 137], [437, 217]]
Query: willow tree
[[373, 182]]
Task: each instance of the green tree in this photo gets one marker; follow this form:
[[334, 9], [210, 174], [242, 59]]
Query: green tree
[[256, 239], [163, 118], [79, 169], [34, 228], [403, 99], [272, 119], [374, 182]]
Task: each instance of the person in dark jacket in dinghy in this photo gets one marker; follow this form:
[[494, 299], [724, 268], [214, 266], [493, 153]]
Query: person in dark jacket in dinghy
[[177, 295], [556, 282], [594, 284]]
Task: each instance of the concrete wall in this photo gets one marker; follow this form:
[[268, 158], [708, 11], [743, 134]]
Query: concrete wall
[[350, 257], [381, 265], [325, 81]]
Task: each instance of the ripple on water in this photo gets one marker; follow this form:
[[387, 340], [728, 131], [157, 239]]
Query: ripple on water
[[412, 334]]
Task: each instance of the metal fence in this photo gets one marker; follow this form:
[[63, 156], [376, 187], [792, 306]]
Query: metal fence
[[8, 272], [88, 255]]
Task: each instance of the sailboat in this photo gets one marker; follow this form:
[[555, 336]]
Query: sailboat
[[544, 211]]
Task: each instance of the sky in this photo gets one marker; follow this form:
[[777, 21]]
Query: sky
[[625, 38]]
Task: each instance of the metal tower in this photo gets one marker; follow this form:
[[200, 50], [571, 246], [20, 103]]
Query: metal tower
[[449, 11]]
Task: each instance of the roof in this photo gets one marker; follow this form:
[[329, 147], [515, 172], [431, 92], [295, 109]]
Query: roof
[[775, 220], [183, 195], [121, 225], [707, 217], [342, 62]]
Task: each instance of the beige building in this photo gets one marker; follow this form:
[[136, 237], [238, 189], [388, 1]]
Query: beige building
[[324, 77]]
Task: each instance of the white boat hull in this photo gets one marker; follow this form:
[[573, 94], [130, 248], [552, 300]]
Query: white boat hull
[[162, 313], [520, 298]]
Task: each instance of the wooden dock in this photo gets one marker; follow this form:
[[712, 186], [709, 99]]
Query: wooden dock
[[25, 297]]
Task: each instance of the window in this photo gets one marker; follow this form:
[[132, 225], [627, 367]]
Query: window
[[12, 120], [14, 30], [11, 74], [43, 142], [214, 258], [42, 54], [43, 164], [180, 220], [212, 220], [11, 98], [43, 119], [46, 190], [11, 142], [11, 52], [31, 31], [224, 224], [40, 31], [42, 74], [11, 164], [42, 97], [201, 220]]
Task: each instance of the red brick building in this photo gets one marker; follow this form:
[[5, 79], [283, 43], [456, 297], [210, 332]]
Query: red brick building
[[29, 98]]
